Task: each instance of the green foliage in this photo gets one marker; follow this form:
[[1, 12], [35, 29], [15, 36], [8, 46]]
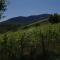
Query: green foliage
[[34, 43], [54, 18], [3, 5], [9, 27]]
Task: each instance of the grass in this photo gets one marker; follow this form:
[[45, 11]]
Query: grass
[[32, 37]]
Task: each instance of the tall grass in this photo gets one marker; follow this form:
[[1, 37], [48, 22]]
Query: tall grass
[[34, 43]]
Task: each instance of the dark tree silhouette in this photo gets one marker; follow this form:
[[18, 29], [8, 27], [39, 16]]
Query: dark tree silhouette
[[3, 5], [51, 18], [54, 18]]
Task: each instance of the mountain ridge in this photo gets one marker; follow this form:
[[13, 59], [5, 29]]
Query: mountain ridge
[[25, 20]]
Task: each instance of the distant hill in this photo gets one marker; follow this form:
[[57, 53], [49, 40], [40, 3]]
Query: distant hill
[[25, 20], [16, 23]]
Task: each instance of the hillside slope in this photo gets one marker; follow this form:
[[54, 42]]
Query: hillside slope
[[35, 42], [14, 24], [25, 20]]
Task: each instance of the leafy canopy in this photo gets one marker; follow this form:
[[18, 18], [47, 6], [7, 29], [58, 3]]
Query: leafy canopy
[[3, 5]]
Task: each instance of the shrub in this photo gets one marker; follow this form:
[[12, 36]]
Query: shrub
[[54, 18]]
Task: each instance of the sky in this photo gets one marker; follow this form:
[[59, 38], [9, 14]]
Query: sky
[[31, 7]]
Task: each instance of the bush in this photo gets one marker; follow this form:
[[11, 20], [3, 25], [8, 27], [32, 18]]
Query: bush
[[54, 18]]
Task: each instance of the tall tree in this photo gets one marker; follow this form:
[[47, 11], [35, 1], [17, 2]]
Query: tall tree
[[3, 5]]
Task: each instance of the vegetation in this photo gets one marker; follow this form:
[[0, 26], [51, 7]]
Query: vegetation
[[39, 41], [3, 5], [9, 27], [5, 27], [54, 18], [34, 43]]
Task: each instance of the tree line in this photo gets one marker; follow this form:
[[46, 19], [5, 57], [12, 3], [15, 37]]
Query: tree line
[[54, 18]]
